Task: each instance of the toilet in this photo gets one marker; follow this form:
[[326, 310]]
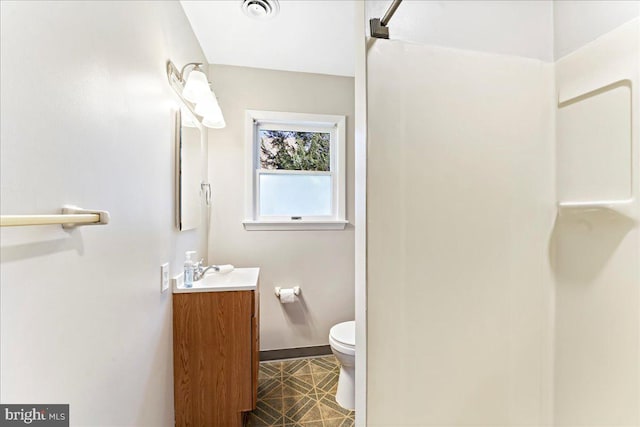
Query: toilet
[[342, 338]]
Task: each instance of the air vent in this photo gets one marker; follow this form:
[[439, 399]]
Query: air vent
[[260, 9]]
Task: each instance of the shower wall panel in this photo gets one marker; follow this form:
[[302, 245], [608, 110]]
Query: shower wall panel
[[597, 268], [460, 210]]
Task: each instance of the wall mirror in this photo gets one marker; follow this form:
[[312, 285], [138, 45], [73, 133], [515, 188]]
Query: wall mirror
[[188, 161]]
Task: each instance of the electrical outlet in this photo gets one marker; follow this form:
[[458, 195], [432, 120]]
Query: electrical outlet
[[164, 277]]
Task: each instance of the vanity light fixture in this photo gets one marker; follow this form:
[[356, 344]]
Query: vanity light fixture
[[195, 91]]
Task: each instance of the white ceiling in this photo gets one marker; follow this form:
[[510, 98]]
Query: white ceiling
[[309, 36], [579, 22], [520, 28]]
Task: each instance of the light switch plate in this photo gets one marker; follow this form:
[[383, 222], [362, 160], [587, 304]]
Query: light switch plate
[[164, 277]]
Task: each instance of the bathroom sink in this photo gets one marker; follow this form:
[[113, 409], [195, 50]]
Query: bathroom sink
[[240, 279]]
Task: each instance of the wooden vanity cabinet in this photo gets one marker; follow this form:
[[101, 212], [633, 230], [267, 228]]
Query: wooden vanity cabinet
[[215, 357]]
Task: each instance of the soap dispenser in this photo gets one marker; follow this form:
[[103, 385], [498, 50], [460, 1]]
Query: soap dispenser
[[189, 267]]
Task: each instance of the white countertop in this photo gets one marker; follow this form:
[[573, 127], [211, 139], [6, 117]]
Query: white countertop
[[240, 279]]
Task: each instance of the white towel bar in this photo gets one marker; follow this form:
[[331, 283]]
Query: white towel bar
[[70, 217]]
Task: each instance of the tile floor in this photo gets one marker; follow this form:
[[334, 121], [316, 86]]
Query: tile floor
[[299, 392]]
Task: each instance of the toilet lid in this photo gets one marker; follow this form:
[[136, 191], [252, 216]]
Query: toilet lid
[[344, 333]]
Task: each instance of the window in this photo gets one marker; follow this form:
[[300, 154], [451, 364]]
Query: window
[[295, 171]]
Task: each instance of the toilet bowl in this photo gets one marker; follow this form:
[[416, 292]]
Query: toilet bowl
[[342, 338]]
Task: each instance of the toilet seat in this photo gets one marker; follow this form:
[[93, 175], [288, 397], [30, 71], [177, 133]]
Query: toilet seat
[[343, 337]]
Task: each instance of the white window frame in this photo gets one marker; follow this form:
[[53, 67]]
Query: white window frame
[[297, 122]]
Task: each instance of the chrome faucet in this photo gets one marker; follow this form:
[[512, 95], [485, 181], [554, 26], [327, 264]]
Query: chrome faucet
[[199, 270]]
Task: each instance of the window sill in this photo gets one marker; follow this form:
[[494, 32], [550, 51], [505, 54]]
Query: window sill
[[251, 225]]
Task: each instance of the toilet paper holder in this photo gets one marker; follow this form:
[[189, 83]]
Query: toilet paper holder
[[296, 290]]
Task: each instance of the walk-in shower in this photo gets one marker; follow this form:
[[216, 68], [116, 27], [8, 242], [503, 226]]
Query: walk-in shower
[[503, 211]]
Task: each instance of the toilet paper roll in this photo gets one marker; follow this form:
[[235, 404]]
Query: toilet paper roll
[[287, 296]]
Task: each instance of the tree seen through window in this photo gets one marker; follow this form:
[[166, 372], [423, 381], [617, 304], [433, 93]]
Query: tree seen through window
[[291, 150]]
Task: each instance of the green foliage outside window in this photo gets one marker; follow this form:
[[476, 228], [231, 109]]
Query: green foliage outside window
[[289, 150]]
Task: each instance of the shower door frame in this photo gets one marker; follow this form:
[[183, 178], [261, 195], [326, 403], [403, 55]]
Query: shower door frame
[[360, 94]]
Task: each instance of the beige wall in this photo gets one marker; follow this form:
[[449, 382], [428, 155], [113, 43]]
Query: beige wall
[[320, 262], [87, 119], [460, 208], [597, 254]]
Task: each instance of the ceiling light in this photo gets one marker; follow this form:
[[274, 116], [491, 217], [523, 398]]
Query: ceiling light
[[260, 9]]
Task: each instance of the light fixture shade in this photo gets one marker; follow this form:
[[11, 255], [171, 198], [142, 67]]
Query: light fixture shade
[[197, 86], [210, 110], [214, 123], [214, 119], [208, 105]]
